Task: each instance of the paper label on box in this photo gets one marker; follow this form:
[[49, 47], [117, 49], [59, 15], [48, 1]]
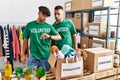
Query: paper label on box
[[94, 30], [96, 45], [69, 69], [68, 6], [96, 3], [100, 18], [105, 62]]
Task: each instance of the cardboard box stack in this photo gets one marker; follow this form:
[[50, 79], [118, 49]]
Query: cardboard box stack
[[101, 3], [87, 4]]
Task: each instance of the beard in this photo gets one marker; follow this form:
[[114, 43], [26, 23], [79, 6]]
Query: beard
[[57, 19]]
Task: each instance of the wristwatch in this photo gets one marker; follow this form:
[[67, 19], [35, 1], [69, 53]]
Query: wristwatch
[[49, 36]]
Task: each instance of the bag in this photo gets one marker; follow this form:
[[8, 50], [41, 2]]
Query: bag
[[71, 69]]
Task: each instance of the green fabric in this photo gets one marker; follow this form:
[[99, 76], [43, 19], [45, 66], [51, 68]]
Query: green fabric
[[66, 29], [39, 48]]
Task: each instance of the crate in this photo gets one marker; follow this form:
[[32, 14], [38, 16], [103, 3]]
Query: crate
[[50, 76], [106, 73], [109, 78], [89, 77]]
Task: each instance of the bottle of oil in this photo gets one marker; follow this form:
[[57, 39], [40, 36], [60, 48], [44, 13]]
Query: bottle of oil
[[8, 70], [0, 76]]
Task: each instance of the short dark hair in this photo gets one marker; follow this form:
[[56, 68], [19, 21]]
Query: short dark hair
[[45, 10], [58, 7]]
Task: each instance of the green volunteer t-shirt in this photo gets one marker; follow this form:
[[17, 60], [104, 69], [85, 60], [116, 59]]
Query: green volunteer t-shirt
[[66, 29], [39, 48]]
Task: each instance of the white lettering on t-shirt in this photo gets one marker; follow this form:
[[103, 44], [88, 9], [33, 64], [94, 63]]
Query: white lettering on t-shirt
[[62, 29], [46, 30]]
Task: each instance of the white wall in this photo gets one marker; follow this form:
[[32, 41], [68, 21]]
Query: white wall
[[23, 11]]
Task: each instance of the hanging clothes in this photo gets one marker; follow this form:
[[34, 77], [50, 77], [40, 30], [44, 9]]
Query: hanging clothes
[[20, 36], [2, 39], [7, 44], [15, 44], [0, 42], [27, 48]]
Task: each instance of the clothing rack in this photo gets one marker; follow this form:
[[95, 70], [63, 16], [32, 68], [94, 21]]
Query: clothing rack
[[10, 54], [13, 23]]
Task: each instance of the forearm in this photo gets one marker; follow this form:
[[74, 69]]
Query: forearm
[[24, 45], [55, 37], [75, 41]]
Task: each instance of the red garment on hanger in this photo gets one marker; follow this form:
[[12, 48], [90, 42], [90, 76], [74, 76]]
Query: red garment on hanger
[[15, 44]]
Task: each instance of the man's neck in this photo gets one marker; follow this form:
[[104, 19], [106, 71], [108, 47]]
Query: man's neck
[[59, 21], [38, 21]]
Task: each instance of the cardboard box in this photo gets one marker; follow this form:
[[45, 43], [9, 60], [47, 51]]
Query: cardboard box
[[101, 3], [101, 44], [96, 29], [68, 6], [99, 59], [77, 22], [96, 44], [81, 4], [52, 61], [84, 43], [63, 70]]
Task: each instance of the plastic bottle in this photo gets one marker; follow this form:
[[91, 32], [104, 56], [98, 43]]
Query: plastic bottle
[[0, 76], [19, 72], [8, 70], [40, 73]]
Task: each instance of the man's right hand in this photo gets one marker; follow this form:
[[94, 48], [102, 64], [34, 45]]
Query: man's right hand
[[23, 59]]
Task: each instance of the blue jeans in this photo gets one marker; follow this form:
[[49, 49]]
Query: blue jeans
[[33, 62]]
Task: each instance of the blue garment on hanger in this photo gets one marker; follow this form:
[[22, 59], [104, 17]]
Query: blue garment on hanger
[[2, 37], [10, 46]]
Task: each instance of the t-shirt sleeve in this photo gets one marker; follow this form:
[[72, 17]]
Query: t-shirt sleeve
[[26, 32], [53, 31], [72, 28]]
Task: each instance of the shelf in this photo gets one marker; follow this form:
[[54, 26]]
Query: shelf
[[91, 19], [92, 9]]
